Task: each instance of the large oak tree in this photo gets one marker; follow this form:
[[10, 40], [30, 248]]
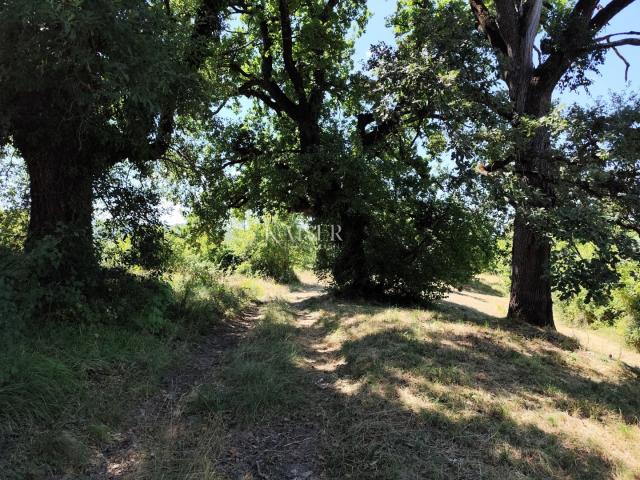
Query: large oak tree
[[85, 85], [567, 37]]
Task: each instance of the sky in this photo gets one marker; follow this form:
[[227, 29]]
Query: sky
[[610, 79]]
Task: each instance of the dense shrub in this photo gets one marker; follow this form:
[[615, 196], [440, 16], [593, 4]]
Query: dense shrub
[[273, 246], [201, 298], [415, 251], [26, 295], [192, 295], [620, 309], [13, 228]]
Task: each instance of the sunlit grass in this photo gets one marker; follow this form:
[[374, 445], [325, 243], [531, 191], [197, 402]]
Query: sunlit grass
[[476, 396], [391, 393]]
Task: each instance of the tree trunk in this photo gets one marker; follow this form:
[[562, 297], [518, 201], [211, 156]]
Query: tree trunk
[[61, 189], [326, 194], [350, 269], [530, 296]]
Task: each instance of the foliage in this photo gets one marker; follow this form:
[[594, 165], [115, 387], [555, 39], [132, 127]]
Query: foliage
[[321, 155], [13, 228], [192, 298], [620, 308], [14, 200], [111, 63], [417, 251], [601, 145], [131, 231], [272, 246], [85, 86], [25, 295]]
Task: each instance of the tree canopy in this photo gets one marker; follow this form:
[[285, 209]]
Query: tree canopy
[[418, 159]]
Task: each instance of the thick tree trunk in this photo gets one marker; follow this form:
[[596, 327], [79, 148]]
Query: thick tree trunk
[[530, 296], [61, 190], [350, 269]]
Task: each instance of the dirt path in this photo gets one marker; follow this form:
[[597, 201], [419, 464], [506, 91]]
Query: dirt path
[[123, 458], [288, 447], [285, 448]]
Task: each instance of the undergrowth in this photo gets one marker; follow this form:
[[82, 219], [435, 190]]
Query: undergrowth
[[68, 382]]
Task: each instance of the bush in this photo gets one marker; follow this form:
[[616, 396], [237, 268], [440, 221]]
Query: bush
[[200, 297], [414, 251], [112, 296], [13, 228], [577, 311], [627, 298], [28, 296], [273, 246], [621, 308]]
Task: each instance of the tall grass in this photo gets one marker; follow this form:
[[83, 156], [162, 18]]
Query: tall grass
[[66, 385]]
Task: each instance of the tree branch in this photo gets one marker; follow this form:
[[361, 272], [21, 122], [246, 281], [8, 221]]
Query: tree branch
[[328, 10], [283, 102], [495, 166], [287, 51], [487, 25], [207, 27], [607, 37], [617, 43], [248, 89], [604, 16]]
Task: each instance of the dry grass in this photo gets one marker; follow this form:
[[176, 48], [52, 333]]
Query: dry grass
[[459, 393], [314, 387], [261, 289], [346, 390]]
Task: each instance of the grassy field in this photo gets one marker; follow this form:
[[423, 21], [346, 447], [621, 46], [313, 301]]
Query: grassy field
[[305, 386]]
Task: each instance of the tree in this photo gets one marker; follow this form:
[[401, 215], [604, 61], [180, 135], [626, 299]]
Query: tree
[[83, 86], [294, 59], [516, 138], [316, 140], [569, 44]]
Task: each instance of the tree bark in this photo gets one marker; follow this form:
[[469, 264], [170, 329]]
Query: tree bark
[[61, 190], [530, 295], [350, 270]]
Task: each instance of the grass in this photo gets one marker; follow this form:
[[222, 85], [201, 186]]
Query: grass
[[398, 393], [438, 394], [49, 408], [260, 378], [67, 389], [349, 390]]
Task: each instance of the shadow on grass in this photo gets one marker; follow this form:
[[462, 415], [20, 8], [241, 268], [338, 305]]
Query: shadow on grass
[[455, 313], [438, 406], [403, 406]]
